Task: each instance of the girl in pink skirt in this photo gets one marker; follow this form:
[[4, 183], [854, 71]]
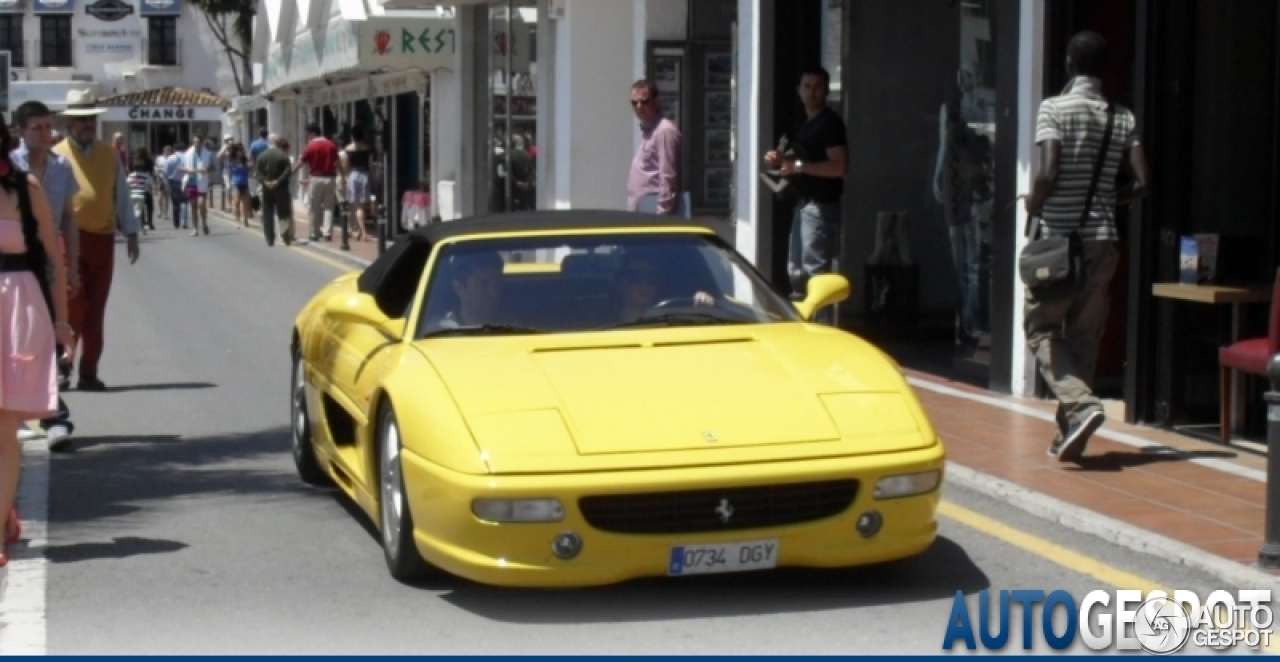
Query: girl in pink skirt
[[30, 285]]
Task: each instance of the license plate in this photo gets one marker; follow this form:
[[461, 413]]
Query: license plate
[[723, 557]]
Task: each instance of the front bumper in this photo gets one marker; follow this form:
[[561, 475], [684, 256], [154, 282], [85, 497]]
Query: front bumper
[[450, 537]]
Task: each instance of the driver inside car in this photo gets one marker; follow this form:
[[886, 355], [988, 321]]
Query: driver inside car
[[640, 282], [476, 282]]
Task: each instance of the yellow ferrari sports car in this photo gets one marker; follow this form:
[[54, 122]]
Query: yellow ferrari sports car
[[575, 398]]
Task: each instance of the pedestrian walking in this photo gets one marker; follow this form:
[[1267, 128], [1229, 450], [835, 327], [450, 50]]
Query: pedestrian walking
[[272, 170], [102, 208], [141, 184], [320, 157], [34, 311], [34, 121], [173, 177], [162, 185], [815, 170], [198, 166], [655, 169], [1079, 133], [356, 161]]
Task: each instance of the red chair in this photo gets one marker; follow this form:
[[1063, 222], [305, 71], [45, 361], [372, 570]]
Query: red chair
[[1250, 356]]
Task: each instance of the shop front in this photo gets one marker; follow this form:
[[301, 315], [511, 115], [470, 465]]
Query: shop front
[[929, 97], [374, 73], [155, 119], [1200, 76]]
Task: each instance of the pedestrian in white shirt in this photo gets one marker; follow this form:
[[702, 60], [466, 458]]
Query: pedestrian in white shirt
[[197, 163]]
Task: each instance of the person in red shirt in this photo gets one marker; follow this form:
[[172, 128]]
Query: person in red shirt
[[320, 156]]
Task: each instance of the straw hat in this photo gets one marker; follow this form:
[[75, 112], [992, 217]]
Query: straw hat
[[82, 103]]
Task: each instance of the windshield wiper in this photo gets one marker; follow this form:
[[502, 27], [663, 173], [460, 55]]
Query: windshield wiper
[[484, 330], [677, 319]]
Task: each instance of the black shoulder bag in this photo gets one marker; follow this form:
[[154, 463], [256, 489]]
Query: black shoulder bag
[[1052, 268]]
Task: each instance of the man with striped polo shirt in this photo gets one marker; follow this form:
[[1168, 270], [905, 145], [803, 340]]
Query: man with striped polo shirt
[[1070, 132]]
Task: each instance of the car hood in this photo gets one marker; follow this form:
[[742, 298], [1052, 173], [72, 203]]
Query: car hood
[[732, 393]]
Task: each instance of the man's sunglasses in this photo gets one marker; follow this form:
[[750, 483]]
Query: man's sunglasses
[[636, 103]]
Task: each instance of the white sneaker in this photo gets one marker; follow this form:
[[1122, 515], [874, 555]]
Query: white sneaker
[[59, 438], [27, 434]]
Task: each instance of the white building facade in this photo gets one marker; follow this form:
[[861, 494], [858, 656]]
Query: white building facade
[[156, 53], [343, 65]]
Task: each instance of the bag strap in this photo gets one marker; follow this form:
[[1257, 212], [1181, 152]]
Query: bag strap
[[1097, 166], [31, 230]]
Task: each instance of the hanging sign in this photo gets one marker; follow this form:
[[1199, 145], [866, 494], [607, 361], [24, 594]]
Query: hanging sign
[[109, 10]]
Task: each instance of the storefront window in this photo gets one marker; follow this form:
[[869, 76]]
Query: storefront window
[[513, 105], [923, 144]]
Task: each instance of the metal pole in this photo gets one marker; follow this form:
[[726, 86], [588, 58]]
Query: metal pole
[[344, 208], [382, 226], [1269, 555]]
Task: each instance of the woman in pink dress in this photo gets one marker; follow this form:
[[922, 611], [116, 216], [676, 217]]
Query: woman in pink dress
[[30, 283]]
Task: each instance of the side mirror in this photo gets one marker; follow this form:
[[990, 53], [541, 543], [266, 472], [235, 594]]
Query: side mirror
[[359, 308], [823, 290]]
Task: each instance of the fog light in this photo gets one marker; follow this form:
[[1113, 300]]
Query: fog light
[[869, 523], [518, 510], [567, 545], [893, 487]]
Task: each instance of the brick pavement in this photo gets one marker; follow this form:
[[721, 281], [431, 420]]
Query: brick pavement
[[1205, 495]]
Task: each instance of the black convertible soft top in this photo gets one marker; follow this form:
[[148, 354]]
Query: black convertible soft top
[[393, 276]]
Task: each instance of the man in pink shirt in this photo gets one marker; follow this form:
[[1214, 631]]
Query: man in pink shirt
[[656, 167]]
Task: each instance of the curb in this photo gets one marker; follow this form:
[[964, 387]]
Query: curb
[[1237, 575], [336, 253]]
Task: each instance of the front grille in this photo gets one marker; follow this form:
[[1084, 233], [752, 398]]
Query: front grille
[[704, 510]]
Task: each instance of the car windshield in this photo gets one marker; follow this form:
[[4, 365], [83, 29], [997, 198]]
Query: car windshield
[[593, 282]]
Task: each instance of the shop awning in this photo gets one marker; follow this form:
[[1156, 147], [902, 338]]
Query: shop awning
[[164, 104], [377, 44]]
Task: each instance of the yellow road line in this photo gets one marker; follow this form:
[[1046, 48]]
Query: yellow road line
[[1067, 558], [315, 255], [1055, 553]]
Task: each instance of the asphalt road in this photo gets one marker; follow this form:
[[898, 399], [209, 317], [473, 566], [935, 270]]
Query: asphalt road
[[178, 525]]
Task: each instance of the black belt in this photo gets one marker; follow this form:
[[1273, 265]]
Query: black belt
[[10, 262]]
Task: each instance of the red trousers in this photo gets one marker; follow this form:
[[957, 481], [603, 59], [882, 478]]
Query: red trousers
[[88, 308]]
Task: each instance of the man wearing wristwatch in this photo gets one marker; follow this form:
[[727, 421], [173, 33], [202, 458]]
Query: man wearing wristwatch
[[816, 174]]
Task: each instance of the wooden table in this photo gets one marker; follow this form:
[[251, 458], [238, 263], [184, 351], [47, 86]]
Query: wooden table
[[1233, 295]]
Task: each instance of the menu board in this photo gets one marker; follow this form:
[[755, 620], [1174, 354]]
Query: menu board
[[717, 111]]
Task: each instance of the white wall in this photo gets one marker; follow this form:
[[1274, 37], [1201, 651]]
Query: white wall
[[446, 141], [1030, 80], [200, 67], [594, 129]]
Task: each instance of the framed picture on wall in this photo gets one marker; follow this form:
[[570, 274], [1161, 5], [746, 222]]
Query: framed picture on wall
[[666, 69], [719, 185], [719, 141]]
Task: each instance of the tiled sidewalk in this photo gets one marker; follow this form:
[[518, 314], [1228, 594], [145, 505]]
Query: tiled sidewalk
[[360, 250], [1205, 495]]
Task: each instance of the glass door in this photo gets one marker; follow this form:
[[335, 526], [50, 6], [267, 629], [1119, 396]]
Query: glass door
[[513, 110]]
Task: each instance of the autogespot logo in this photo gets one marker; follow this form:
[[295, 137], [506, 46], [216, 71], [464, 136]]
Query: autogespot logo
[[1126, 620], [1161, 626]]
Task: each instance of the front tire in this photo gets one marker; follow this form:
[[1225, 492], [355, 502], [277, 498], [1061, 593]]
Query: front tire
[[304, 451], [403, 560]]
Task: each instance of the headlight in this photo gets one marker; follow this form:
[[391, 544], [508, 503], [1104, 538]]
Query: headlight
[[518, 510], [893, 487]]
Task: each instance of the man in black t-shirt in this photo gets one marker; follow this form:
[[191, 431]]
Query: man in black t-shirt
[[815, 168]]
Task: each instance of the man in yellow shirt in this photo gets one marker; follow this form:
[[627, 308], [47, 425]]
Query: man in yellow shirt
[[101, 207]]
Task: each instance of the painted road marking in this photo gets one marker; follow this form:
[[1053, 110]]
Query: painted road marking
[[22, 591], [1057, 554], [298, 248]]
